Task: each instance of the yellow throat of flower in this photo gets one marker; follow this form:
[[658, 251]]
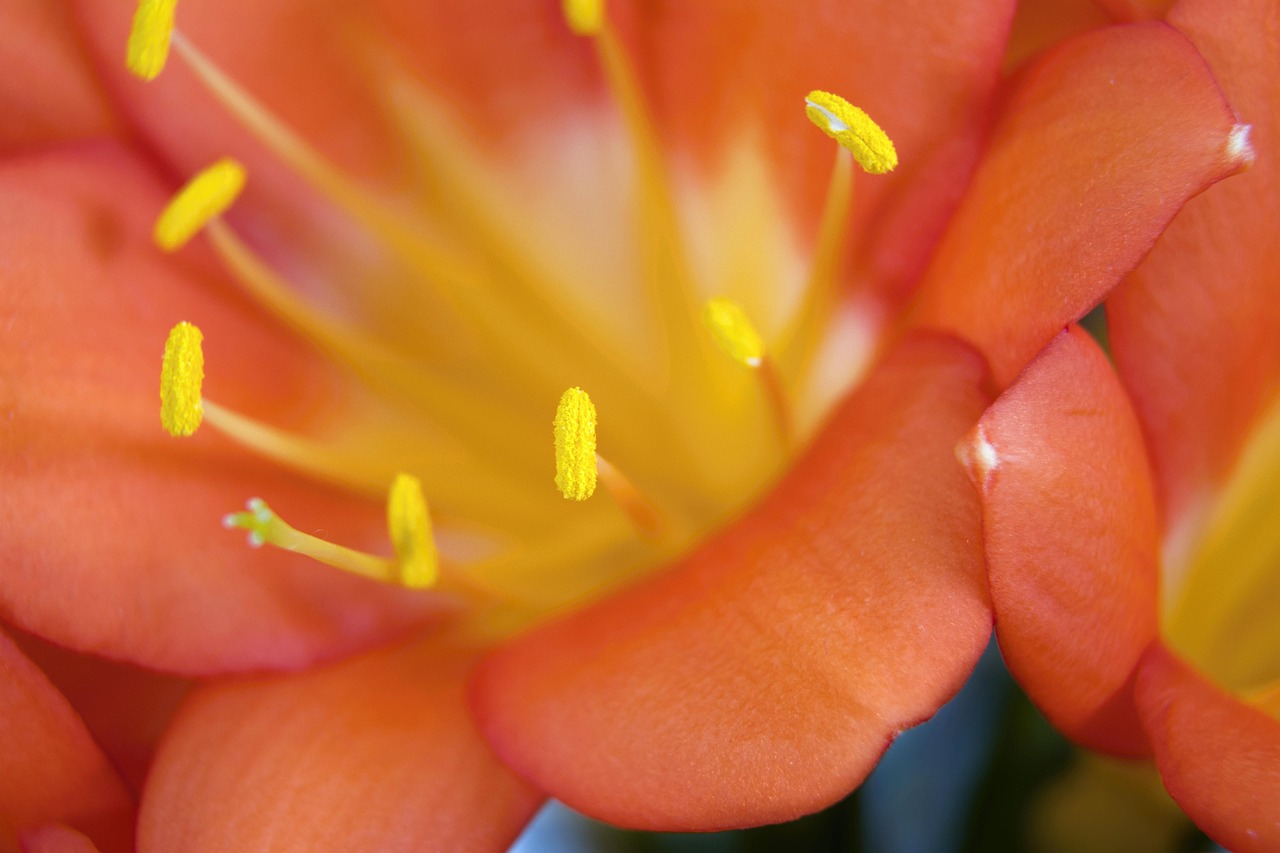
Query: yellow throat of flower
[[683, 439]]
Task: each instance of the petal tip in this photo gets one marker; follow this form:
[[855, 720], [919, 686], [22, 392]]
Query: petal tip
[[978, 456], [1240, 151]]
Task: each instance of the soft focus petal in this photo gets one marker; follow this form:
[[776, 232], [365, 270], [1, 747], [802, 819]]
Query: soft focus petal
[[56, 838], [1070, 529], [1106, 805], [762, 677], [113, 541], [50, 768], [376, 753], [1135, 10], [125, 708], [1196, 328], [48, 90], [1041, 25], [1105, 140], [1219, 758]]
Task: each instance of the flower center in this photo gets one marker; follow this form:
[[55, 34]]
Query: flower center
[[713, 412]]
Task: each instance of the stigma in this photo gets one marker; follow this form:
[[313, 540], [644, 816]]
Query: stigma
[[415, 566]]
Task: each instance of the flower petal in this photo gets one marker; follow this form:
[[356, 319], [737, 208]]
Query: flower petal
[[50, 768], [1219, 758], [112, 542], [376, 753], [1105, 140], [1196, 328], [762, 676], [47, 88], [1070, 529]]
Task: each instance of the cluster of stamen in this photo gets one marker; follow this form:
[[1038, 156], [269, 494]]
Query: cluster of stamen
[[578, 464]]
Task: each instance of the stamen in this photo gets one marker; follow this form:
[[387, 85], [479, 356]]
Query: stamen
[[671, 280], [410, 526], [733, 331], [149, 38], [578, 464], [585, 17], [853, 129], [575, 441], [181, 375], [205, 196], [822, 292], [639, 509]]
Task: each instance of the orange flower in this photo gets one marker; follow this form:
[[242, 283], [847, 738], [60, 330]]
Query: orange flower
[[452, 214], [1130, 514]]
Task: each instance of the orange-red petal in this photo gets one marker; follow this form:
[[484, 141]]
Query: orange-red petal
[[50, 768], [376, 753], [48, 89], [1071, 537], [1196, 328], [1218, 757], [762, 676], [113, 542], [1105, 140]]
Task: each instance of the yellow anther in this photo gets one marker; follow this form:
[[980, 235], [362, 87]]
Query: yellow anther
[[181, 374], [585, 17], [149, 38], [575, 430], [410, 528], [205, 196], [854, 129], [733, 331]]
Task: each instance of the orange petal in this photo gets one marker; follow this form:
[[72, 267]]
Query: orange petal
[[48, 89], [1070, 529], [50, 768], [377, 753], [1219, 758], [761, 677], [112, 536], [1105, 140], [1196, 328]]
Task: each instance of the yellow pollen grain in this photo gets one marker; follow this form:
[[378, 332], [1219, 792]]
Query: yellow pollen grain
[[733, 331], [575, 433], [149, 38], [205, 196], [181, 375], [854, 129], [585, 17], [409, 524]]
